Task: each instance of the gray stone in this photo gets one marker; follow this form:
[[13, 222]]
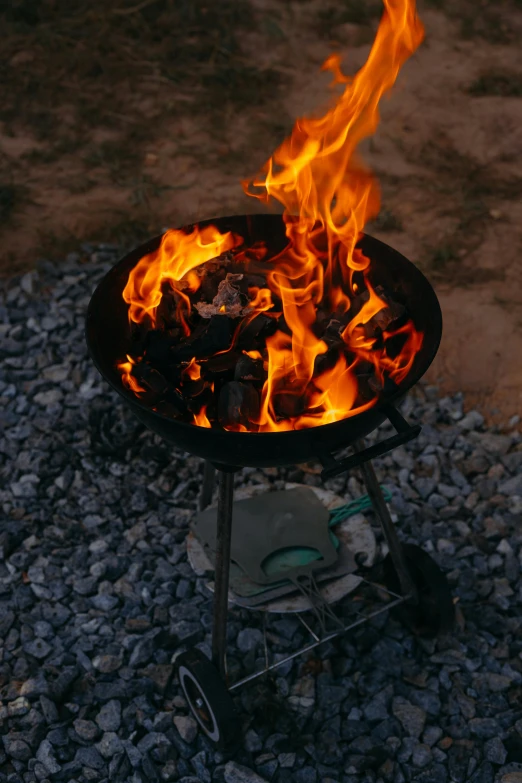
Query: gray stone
[[305, 775], [105, 602], [377, 708], [109, 717], [484, 728], [152, 740], [512, 486], [43, 629], [286, 760], [237, 773], [16, 748], [199, 765], [51, 397], [249, 639], [107, 663], [498, 445], [187, 728], [251, 740], [471, 421], [109, 745], [424, 486], [86, 729], [495, 751], [45, 755], [38, 648], [412, 719], [18, 707], [89, 757], [421, 756], [142, 652], [432, 734]]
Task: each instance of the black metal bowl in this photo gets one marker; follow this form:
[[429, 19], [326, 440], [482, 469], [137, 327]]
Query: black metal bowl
[[108, 340]]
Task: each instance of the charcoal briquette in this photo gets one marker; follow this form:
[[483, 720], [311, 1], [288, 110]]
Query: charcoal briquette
[[249, 369], [256, 331], [222, 362], [215, 336], [238, 404], [385, 320]]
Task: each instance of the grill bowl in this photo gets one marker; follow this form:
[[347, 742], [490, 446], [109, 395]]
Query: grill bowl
[[108, 340]]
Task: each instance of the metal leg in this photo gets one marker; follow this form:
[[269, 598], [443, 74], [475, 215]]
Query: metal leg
[[222, 570], [381, 509], [207, 488]]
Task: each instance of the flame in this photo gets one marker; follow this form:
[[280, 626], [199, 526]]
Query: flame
[[178, 255], [201, 418], [193, 370], [328, 195], [128, 380], [261, 299], [326, 191]]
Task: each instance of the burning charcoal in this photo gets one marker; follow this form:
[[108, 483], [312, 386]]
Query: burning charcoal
[[326, 361], [222, 361], [238, 404], [386, 319], [288, 405], [375, 384], [210, 285], [364, 368], [248, 369], [156, 387], [333, 333], [228, 299], [214, 336], [366, 393], [166, 310], [254, 281], [151, 379], [257, 330], [168, 409], [158, 347], [193, 389], [356, 306], [219, 262]]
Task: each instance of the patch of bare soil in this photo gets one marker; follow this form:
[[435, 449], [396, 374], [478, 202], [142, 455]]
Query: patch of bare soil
[[117, 153]]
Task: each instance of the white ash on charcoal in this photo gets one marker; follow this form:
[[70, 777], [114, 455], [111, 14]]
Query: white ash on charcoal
[[96, 594]]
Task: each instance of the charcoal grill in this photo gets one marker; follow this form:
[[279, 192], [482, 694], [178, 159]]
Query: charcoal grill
[[413, 580]]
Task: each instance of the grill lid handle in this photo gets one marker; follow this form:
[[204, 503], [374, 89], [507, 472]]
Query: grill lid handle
[[405, 432]]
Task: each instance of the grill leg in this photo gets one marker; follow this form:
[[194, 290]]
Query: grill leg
[[207, 488], [381, 509], [224, 537]]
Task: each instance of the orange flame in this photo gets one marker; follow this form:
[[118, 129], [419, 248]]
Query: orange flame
[[201, 418], [128, 380], [193, 370], [261, 299], [326, 191], [178, 254]]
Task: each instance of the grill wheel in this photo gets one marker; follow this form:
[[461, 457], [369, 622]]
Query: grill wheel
[[209, 700]]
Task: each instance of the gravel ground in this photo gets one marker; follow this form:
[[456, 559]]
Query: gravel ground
[[96, 594]]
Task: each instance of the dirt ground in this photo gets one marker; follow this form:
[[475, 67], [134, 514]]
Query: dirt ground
[[114, 138]]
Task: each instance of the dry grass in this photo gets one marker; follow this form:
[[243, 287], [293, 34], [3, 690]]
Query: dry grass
[[488, 20], [470, 189], [359, 12], [66, 68], [496, 82]]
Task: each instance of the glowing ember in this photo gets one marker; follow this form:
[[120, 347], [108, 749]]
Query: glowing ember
[[297, 339]]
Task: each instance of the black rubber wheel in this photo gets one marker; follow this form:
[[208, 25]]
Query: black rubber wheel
[[209, 700], [435, 612]]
